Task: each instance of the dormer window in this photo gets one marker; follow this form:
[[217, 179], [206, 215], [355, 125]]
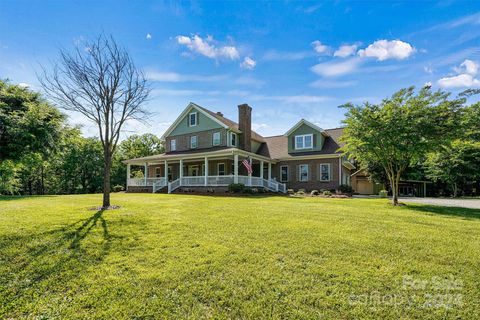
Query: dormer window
[[192, 119], [173, 145], [304, 141], [233, 139]]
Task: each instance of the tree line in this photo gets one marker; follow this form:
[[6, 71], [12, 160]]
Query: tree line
[[40, 153]]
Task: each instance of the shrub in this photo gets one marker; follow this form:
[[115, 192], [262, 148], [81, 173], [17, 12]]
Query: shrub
[[290, 191], [327, 193], [345, 188], [117, 188], [314, 193], [383, 193], [300, 192], [236, 187], [248, 190]]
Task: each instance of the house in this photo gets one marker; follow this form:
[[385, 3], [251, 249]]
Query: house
[[206, 150]]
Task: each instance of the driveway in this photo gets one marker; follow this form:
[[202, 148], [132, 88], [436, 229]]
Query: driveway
[[464, 203]]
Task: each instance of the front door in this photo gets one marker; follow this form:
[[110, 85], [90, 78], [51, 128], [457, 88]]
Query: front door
[[193, 171]]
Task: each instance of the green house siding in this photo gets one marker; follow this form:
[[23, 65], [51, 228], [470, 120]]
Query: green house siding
[[318, 139], [204, 123]]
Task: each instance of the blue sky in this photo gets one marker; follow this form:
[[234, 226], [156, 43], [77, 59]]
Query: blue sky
[[288, 60]]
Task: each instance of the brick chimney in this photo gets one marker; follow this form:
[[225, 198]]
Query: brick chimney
[[245, 125]]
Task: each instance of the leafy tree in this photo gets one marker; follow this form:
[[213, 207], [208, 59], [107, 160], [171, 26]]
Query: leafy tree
[[103, 84], [455, 164], [27, 123], [9, 183], [398, 132]]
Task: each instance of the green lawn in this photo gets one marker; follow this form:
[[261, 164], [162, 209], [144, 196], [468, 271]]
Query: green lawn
[[178, 256]]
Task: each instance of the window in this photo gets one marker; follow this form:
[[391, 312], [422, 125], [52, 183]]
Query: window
[[233, 139], [221, 169], [325, 172], [173, 145], [216, 139], [157, 172], [284, 173], [193, 119], [193, 142], [303, 172], [304, 141]]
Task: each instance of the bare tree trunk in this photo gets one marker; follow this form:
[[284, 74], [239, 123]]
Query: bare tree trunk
[[106, 178]]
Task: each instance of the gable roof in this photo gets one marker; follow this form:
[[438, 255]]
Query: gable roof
[[184, 113], [308, 123], [218, 118], [276, 147]]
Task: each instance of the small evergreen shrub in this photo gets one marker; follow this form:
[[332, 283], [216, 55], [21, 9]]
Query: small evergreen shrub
[[236, 187], [344, 188], [327, 193], [314, 193], [290, 191], [117, 188], [383, 193]]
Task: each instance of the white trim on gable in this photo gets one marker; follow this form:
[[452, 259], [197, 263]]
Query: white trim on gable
[[185, 112], [308, 123]]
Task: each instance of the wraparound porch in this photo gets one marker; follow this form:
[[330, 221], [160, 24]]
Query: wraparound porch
[[211, 169]]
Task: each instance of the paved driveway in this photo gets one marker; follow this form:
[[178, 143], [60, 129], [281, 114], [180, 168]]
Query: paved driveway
[[464, 203]]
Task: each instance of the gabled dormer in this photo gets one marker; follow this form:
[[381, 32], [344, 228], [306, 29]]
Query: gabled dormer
[[305, 137]]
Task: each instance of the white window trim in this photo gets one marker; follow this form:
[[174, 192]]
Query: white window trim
[[219, 138], [329, 171], [300, 172], [190, 119], [288, 173], [224, 168], [303, 139], [191, 142], [173, 145], [230, 140]]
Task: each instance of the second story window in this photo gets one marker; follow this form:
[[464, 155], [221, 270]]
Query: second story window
[[216, 138], [233, 139], [304, 141], [193, 119], [193, 142], [173, 145]]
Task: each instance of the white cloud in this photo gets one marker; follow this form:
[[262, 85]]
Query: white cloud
[[428, 84], [467, 70], [345, 51], [468, 67], [207, 48], [248, 63], [24, 85], [332, 84], [257, 126], [333, 68], [148, 36], [154, 75], [388, 49], [460, 81], [428, 69], [320, 48]]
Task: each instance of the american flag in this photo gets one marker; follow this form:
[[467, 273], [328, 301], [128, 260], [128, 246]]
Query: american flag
[[247, 162]]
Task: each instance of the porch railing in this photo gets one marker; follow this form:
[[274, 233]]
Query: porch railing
[[142, 182], [216, 181], [159, 184]]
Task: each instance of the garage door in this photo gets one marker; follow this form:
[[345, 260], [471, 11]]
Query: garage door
[[364, 187]]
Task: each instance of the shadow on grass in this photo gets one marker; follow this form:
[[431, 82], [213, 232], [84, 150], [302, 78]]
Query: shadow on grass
[[49, 259], [11, 198], [466, 213]]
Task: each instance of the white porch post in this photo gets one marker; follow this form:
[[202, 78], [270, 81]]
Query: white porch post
[[424, 189], [269, 171], [146, 173], [165, 171], [261, 169], [128, 173], [235, 168], [206, 171], [180, 170]]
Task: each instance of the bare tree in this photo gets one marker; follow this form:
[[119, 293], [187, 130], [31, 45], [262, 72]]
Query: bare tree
[[101, 82]]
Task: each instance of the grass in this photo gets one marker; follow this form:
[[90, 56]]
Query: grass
[[179, 256]]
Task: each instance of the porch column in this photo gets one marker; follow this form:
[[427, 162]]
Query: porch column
[[128, 173], [180, 170], [206, 171], [424, 189], [146, 173], [261, 169], [235, 168], [165, 171], [269, 171], [250, 175]]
